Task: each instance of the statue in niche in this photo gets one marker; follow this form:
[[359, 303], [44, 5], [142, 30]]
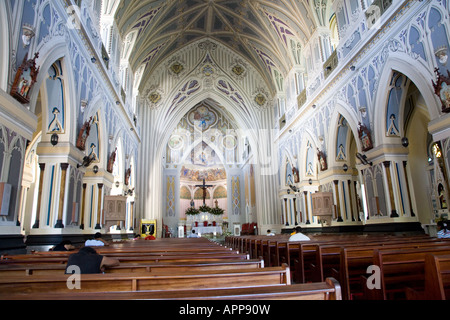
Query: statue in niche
[[442, 89], [127, 176], [322, 160], [111, 160], [296, 175], [25, 79], [365, 137], [83, 135]]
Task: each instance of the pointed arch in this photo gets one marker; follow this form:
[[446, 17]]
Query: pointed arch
[[342, 110], [415, 72]]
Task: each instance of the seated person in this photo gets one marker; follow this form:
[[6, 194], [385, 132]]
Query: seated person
[[443, 232], [65, 245], [270, 233], [97, 241], [298, 236], [89, 261], [193, 235]]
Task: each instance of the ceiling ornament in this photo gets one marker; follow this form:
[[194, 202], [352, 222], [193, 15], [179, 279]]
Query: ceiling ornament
[[155, 97], [261, 98], [176, 66], [239, 69]]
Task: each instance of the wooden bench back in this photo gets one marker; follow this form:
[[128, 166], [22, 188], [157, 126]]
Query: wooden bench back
[[139, 282], [402, 268], [437, 277], [328, 290]]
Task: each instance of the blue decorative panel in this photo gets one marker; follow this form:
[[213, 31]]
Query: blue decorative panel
[[55, 99], [415, 43]]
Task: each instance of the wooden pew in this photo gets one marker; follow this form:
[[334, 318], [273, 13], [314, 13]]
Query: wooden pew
[[328, 290], [437, 279], [400, 269], [354, 261], [138, 259], [155, 268], [144, 281]]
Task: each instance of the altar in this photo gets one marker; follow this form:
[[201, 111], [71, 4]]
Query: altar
[[210, 229]]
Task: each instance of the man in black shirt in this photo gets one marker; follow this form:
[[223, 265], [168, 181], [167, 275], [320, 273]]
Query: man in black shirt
[[89, 261]]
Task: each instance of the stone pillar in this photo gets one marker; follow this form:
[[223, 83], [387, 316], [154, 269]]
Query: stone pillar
[[295, 210], [99, 206], [308, 221], [83, 205], [387, 165], [350, 198], [62, 191], [286, 212], [41, 182], [408, 190], [338, 201]]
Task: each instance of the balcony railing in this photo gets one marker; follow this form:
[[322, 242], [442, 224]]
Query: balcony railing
[[330, 64]]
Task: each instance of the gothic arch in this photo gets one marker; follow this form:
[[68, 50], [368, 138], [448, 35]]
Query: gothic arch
[[341, 110], [418, 74], [50, 53]]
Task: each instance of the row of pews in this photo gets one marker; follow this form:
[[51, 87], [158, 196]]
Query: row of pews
[[167, 269], [369, 267]]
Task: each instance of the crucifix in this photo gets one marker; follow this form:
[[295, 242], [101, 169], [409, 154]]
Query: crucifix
[[204, 187]]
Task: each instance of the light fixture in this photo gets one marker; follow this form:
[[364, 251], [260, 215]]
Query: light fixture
[[310, 181], [117, 184], [94, 60], [95, 169], [288, 191], [345, 167], [363, 159], [353, 68], [54, 139], [405, 142], [87, 160]]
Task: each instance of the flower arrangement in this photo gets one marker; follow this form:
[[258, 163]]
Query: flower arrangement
[[191, 211], [205, 208], [217, 211]]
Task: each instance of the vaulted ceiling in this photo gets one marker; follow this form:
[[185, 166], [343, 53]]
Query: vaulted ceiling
[[267, 33]]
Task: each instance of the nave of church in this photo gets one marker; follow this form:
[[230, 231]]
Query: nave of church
[[223, 118]]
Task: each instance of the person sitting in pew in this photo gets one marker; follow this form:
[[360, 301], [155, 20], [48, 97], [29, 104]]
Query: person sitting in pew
[[89, 262], [443, 232], [65, 245], [270, 233], [298, 236], [97, 241]]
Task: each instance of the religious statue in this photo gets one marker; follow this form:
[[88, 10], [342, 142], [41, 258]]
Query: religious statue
[[127, 176], [204, 187], [25, 79], [442, 89], [322, 160], [83, 135], [296, 175], [192, 203], [111, 160], [365, 137]]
